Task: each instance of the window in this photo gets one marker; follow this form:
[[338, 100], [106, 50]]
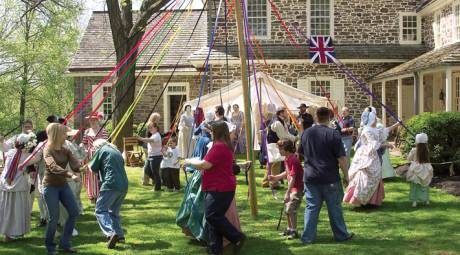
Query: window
[[259, 18], [321, 17], [437, 29], [107, 105], [457, 20], [409, 28], [320, 88]]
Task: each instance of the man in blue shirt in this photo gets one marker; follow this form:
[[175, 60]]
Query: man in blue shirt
[[346, 128], [323, 152], [109, 164]]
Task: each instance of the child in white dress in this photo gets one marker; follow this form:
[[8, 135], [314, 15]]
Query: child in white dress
[[420, 171]]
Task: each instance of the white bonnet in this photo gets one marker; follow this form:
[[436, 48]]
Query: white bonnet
[[23, 139], [421, 138]]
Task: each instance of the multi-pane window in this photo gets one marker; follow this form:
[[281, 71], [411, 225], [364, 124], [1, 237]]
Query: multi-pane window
[[320, 17], [409, 28], [177, 88], [107, 105], [457, 20], [258, 17], [320, 88]]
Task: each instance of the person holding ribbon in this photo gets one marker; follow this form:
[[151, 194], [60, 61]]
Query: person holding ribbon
[[15, 199]]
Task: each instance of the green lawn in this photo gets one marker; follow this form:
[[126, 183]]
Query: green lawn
[[149, 220]]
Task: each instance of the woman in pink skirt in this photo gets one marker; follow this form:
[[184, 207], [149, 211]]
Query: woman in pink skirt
[[90, 135]]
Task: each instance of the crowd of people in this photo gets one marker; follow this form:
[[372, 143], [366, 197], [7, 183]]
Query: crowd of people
[[308, 150], [52, 168]]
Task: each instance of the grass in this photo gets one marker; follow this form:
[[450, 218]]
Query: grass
[[149, 221]]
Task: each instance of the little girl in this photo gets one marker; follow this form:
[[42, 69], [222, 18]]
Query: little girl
[[420, 171]]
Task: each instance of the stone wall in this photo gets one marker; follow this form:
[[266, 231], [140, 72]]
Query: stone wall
[[355, 99], [83, 86], [427, 31], [355, 21]]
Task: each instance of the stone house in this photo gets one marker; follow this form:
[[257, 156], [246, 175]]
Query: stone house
[[370, 38], [95, 59], [430, 82]]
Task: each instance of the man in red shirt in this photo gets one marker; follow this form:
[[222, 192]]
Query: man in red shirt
[[294, 193]]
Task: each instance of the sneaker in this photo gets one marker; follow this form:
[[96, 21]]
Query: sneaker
[[122, 239], [292, 235], [427, 202], [68, 250], [414, 204], [285, 232], [74, 232]]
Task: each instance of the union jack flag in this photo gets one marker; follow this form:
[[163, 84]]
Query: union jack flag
[[321, 50]]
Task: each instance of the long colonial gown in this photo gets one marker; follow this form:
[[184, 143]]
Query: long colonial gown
[[365, 173], [240, 141], [92, 179], [190, 216], [185, 135], [15, 199]]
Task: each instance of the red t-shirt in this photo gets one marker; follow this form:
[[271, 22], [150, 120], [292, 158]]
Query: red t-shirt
[[293, 167], [220, 176]]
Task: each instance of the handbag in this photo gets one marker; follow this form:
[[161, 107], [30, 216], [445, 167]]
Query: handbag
[[274, 153]]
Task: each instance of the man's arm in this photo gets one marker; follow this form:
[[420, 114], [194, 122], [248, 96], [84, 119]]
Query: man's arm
[[343, 163]]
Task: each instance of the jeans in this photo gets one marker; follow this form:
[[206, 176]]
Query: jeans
[[154, 170], [108, 206], [54, 195], [216, 205], [315, 195], [347, 144]]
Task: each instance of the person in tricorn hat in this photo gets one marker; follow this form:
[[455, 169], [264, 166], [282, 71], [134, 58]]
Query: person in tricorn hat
[[304, 118]]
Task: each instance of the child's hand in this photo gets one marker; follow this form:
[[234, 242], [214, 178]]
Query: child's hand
[[271, 178], [287, 197]]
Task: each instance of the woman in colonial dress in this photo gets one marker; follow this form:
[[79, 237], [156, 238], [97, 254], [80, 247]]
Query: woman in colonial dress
[[237, 119], [185, 132], [15, 199], [91, 179], [365, 173]]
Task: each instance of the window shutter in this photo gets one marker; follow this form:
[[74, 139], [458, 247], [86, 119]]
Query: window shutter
[[304, 84], [97, 97], [338, 92]]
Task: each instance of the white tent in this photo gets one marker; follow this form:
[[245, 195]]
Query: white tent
[[272, 91]]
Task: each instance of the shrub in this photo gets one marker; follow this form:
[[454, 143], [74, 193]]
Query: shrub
[[443, 130]]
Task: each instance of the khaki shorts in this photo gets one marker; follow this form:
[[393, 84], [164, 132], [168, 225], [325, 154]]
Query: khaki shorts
[[293, 205]]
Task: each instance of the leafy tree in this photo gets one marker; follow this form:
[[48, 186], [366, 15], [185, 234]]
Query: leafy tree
[[37, 41], [126, 33]]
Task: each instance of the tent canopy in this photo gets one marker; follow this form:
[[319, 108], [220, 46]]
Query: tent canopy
[[272, 92]]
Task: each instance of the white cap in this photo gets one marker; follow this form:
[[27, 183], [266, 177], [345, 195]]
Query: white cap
[[23, 139], [421, 138]]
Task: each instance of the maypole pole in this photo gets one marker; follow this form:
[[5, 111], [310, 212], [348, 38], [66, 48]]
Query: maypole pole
[[247, 111]]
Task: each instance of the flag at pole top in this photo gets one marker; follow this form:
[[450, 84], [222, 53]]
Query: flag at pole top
[[322, 50]]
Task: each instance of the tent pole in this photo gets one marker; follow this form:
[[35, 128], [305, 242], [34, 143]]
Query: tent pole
[[247, 113]]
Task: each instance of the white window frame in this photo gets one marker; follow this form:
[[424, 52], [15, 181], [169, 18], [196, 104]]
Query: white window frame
[[419, 28], [331, 18], [166, 102], [269, 22], [98, 95], [337, 88]]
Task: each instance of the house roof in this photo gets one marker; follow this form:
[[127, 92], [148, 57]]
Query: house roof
[[423, 3], [342, 52], [448, 55], [96, 50]]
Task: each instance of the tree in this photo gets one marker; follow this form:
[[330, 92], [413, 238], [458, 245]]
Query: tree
[[126, 34], [36, 45]]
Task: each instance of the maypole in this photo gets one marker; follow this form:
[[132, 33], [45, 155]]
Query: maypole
[[247, 112]]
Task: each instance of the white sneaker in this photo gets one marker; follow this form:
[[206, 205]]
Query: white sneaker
[[74, 232], [414, 204], [427, 202]]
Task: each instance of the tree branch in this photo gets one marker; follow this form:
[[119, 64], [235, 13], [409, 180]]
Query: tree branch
[[116, 24], [38, 3], [148, 8]]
